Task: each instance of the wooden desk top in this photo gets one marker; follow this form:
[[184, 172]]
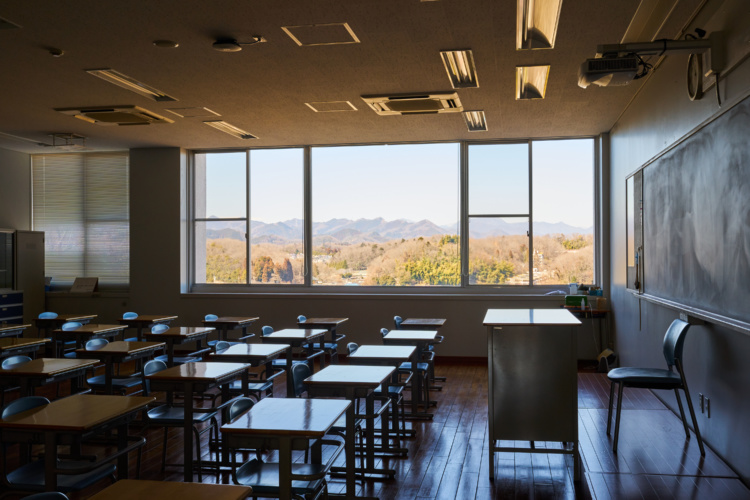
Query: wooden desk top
[[76, 413], [11, 342], [287, 417], [42, 367], [180, 331], [93, 328], [411, 335], [328, 322], [250, 351], [350, 375], [392, 352], [295, 334], [63, 318], [433, 322], [128, 489], [10, 328], [231, 321], [120, 347], [200, 371], [145, 319], [529, 317]]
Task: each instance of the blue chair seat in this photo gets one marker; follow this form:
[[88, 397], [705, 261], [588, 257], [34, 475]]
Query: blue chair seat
[[650, 377], [98, 383], [264, 478], [422, 367], [30, 477], [179, 360], [175, 415], [281, 363]]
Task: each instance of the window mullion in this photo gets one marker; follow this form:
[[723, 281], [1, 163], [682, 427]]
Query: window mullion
[[307, 238], [248, 220], [531, 218], [464, 213]]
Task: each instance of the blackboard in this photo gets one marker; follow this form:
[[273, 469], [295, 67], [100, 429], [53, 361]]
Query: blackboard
[[696, 210]]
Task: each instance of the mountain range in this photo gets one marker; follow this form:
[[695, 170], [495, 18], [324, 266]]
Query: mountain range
[[376, 230]]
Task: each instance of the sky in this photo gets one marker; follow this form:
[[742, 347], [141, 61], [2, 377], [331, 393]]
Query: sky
[[407, 181]]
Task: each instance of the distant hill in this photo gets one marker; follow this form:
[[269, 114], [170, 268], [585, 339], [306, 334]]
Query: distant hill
[[376, 230]]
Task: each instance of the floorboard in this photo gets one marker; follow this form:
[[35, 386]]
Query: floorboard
[[449, 458]]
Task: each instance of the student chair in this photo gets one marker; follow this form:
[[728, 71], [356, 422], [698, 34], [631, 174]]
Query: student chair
[[257, 389], [8, 363], [331, 349], [178, 360], [98, 383], [656, 378], [280, 364], [47, 315], [422, 370], [130, 315], [429, 355]]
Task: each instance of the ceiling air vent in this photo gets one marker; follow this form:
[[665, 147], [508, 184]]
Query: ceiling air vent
[[115, 115], [414, 104]]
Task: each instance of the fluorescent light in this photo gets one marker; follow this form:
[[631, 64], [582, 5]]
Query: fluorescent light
[[130, 84], [230, 129], [460, 67], [536, 25], [531, 82], [476, 121]]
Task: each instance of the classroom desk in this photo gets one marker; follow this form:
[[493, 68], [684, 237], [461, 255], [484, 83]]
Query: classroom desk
[[422, 323], [83, 334], [191, 379], [353, 382], [387, 355], [119, 352], [129, 489], [419, 339], [11, 346], [12, 330], [68, 421], [42, 371], [46, 325], [178, 335], [295, 338], [330, 324], [289, 424], [226, 323], [533, 380], [144, 321]]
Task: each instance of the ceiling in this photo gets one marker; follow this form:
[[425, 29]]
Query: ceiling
[[263, 89]]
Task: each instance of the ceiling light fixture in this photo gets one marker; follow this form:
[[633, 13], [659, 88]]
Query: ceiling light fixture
[[232, 45], [531, 82], [131, 84], [536, 26], [460, 67], [229, 129], [476, 121]]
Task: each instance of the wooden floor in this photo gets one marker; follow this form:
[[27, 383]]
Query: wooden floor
[[449, 459]]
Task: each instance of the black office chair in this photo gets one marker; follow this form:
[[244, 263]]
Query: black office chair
[[656, 378], [30, 476]]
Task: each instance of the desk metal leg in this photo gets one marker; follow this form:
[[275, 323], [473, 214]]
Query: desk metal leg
[[285, 468], [187, 449], [50, 461], [122, 443]]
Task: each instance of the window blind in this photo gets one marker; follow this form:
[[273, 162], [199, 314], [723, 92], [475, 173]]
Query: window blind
[[81, 201]]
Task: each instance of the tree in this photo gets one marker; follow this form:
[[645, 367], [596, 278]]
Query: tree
[[263, 269], [285, 271]]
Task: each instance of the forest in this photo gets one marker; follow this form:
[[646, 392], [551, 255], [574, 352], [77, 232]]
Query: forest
[[422, 261]]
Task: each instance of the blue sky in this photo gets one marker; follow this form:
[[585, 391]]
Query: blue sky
[[414, 182]]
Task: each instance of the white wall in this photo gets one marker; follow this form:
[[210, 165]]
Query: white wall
[[15, 190], [715, 358]]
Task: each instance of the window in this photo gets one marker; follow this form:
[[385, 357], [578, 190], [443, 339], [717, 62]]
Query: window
[[81, 202], [393, 215]]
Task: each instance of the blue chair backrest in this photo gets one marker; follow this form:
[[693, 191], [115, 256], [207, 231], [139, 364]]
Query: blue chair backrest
[[300, 372], [266, 330], [160, 328], [13, 361], [151, 367], [130, 315], [674, 339], [71, 325], [23, 404], [384, 331], [211, 317], [47, 315], [352, 347], [398, 320], [95, 344], [221, 345], [301, 319], [239, 407]]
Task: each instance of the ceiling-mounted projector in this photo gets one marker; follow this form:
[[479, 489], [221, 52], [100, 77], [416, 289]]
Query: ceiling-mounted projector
[[608, 71]]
